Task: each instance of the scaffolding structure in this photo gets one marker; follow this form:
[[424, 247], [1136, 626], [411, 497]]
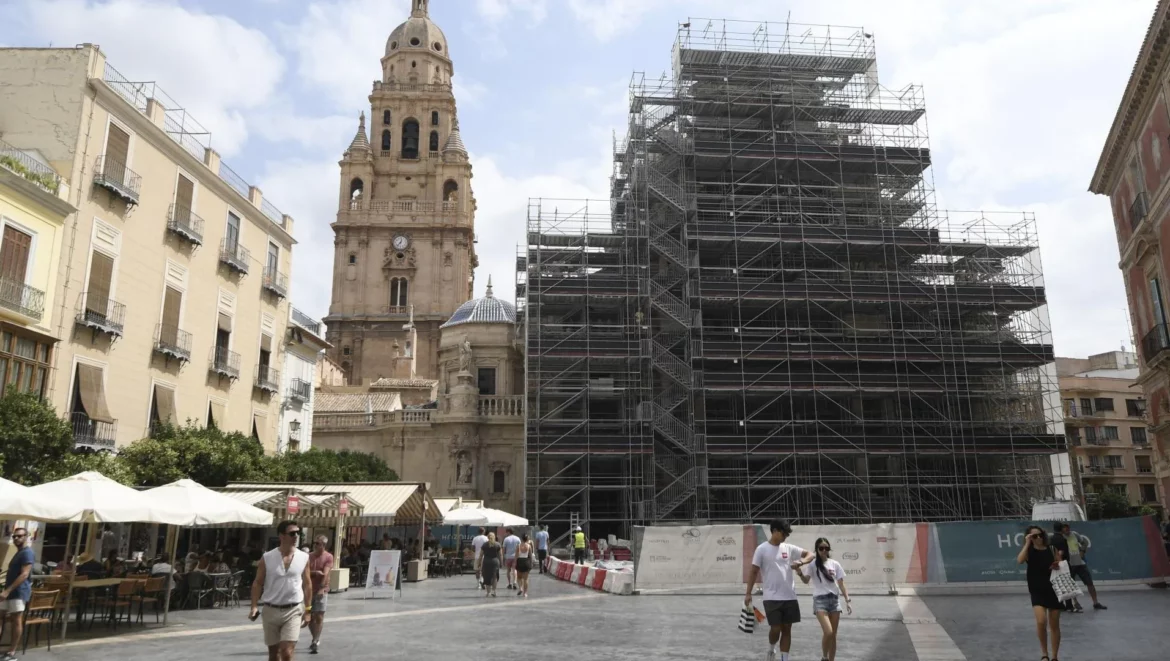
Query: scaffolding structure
[[771, 317]]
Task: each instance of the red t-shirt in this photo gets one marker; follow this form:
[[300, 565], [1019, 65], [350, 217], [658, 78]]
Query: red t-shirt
[[320, 563]]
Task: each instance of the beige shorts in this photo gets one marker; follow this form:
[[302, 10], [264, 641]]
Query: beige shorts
[[282, 625]]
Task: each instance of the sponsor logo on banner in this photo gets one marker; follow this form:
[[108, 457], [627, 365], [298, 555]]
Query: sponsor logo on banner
[[851, 540], [692, 535], [850, 555], [658, 558], [882, 540], [658, 541], [889, 555], [726, 558], [855, 572], [726, 541]]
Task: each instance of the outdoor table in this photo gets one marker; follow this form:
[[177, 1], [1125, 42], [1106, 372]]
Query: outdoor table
[[91, 585]]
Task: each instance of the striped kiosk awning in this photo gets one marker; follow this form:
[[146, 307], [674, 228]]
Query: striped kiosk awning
[[382, 503], [315, 509]]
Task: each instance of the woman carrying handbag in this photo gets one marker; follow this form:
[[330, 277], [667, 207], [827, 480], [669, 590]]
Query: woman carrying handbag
[[1041, 559]]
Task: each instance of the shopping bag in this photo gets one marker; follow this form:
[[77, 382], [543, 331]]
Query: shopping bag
[[759, 615], [1062, 582], [747, 620]]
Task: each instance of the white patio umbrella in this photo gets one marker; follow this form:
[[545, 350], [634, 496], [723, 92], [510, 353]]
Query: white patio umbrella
[[206, 507], [465, 516], [8, 485], [502, 518]]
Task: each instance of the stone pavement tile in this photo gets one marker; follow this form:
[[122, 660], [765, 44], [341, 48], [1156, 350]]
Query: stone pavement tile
[[1001, 627]]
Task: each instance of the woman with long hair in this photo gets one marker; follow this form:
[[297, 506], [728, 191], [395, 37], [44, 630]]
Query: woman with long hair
[[828, 579], [1041, 558], [491, 565], [523, 565]]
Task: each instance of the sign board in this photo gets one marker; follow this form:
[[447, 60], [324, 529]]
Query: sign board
[[343, 506], [294, 504], [384, 575]]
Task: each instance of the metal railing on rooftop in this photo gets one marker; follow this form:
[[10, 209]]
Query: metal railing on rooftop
[[306, 322], [23, 165], [272, 212], [234, 180]]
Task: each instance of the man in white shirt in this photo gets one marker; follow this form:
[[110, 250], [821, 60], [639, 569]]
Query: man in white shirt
[[477, 543], [284, 587], [772, 565], [511, 543]]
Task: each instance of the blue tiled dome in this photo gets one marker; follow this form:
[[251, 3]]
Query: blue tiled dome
[[486, 310]]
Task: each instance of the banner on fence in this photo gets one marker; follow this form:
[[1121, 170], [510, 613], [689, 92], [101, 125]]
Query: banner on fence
[[383, 574], [691, 555]]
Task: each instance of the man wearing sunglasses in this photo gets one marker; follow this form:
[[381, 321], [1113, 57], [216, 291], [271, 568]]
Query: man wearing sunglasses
[[284, 587], [17, 588]]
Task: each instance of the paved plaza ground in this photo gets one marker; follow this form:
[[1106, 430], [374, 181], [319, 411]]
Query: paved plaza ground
[[447, 618]]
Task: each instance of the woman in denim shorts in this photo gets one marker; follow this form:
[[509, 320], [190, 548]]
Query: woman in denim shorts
[[828, 581]]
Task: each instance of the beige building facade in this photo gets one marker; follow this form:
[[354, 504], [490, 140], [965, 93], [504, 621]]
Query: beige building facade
[[405, 233], [172, 284], [1107, 428]]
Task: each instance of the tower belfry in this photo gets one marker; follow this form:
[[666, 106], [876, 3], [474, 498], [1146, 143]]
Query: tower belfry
[[404, 253]]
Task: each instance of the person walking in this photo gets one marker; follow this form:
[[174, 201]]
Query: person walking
[[511, 543], [542, 547], [491, 565], [828, 581], [772, 565], [1074, 547], [320, 565], [477, 543], [284, 587], [579, 546], [523, 565], [17, 589], [1041, 559]]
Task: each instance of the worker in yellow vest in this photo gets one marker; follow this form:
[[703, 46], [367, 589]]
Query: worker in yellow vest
[[578, 546]]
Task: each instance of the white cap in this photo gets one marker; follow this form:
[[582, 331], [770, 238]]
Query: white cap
[[578, 528]]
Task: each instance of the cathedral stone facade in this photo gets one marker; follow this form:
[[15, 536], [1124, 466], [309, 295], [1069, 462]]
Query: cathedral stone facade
[[436, 378]]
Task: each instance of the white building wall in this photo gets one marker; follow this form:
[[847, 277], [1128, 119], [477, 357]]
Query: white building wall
[[300, 362]]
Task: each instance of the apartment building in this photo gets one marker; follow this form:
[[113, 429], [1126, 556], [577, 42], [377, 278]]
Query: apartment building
[[305, 346], [33, 210], [171, 293], [1105, 421]]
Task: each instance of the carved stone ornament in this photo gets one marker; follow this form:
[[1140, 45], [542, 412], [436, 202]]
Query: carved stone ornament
[[392, 261], [464, 468]]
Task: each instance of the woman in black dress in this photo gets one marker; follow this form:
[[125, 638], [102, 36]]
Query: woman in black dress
[[1041, 558], [491, 565]]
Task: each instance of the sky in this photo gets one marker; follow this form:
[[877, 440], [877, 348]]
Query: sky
[[1019, 96]]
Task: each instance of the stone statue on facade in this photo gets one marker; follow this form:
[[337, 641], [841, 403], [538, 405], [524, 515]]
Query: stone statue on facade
[[463, 468], [465, 356]]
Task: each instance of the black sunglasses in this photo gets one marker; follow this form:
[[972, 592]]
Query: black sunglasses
[[823, 548], [292, 533]]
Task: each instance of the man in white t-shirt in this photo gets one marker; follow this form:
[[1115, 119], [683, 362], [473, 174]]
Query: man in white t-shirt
[[772, 565], [477, 543]]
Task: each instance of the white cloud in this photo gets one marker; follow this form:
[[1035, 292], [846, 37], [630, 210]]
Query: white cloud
[[495, 11], [211, 65], [468, 92], [329, 134]]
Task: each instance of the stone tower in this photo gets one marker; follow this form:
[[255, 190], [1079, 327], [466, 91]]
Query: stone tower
[[404, 237]]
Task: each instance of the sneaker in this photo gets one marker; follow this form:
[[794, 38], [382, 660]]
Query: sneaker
[[771, 655], [1078, 609], [8, 656], [1100, 607], [313, 647]]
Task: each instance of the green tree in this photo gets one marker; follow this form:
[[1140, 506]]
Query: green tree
[[1109, 504], [33, 439], [107, 463], [207, 455], [328, 466]]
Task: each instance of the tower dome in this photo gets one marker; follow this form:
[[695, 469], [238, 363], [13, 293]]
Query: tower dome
[[486, 310], [419, 34]]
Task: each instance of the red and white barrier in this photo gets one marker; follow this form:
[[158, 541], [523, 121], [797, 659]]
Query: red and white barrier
[[614, 582]]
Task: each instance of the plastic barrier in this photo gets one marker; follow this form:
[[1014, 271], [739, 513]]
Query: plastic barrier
[[603, 580]]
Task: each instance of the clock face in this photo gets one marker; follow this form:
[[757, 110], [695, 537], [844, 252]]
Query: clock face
[[400, 242]]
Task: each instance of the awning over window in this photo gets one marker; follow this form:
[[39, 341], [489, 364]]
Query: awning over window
[[265, 342], [262, 431], [93, 393], [219, 414], [225, 322], [164, 404]]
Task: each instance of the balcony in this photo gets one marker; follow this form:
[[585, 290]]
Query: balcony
[[23, 165], [185, 224], [450, 207], [1145, 470], [1093, 469], [91, 433], [224, 363], [300, 391], [114, 176], [172, 342], [275, 282], [234, 256], [267, 379], [306, 322], [1155, 343], [501, 406], [397, 309], [1138, 210], [101, 314], [411, 206], [28, 302]]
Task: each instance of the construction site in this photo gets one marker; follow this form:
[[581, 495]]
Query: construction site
[[771, 317]]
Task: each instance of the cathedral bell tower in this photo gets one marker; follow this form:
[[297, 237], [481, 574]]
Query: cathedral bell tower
[[405, 231]]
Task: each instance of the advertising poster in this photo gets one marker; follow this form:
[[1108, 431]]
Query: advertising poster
[[672, 556], [383, 576]]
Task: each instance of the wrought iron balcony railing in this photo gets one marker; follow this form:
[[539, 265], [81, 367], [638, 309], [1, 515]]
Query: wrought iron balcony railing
[[306, 322], [235, 256], [1155, 342], [186, 224], [23, 165], [172, 341], [276, 282], [267, 378], [1139, 209], [102, 314], [114, 176], [92, 434], [224, 362], [20, 298], [300, 390]]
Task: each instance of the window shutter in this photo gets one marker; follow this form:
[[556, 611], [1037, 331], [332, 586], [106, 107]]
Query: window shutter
[[117, 146], [101, 275], [14, 254], [93, 393], [184, 194], [164, 404], [172, 304]]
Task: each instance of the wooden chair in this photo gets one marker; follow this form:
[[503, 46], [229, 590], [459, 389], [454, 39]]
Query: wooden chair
[[123, 597], [40, 612], [153, 592]]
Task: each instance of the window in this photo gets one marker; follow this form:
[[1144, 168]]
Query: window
[[1103, 404], [223, 339], [1090, 434], [355, 188], [14, 251], [232, 236], [172, 309], [450, 191], [1086, 406], [398, 292], [410, 139], [1149, 493], [1114, 461], [1156, 300], [1135, 408], [386, 140], [1109, 433], [486, 381], [385, 116], [1138, 435], [89, 394], [434, 118], [162, 407], [499, 482], [434, 145], [345, 351], [117, 152], [273, 264], [184, 198], [24, 363], [1072, 436], [101, 280], [1142, 463], [1156, 151], [1119, 489], [217, 414], [352, 258]]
